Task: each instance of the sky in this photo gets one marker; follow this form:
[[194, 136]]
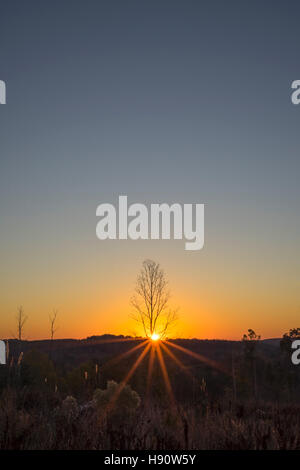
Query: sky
[[163, 101]]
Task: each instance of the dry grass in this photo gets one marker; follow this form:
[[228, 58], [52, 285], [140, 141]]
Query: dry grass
[[70, 426]]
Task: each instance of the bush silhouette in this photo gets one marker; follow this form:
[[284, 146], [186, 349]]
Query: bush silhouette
[[117, 405]]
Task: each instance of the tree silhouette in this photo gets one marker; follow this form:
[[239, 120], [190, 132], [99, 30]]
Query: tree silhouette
[[151, 299], [52, 319], [290, 372], [250, 341], [287, 339], [21, 320]]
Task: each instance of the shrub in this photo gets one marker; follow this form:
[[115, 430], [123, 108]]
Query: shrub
[[118, 401]]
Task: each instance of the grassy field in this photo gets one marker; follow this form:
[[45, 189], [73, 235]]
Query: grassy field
[[72, 395]]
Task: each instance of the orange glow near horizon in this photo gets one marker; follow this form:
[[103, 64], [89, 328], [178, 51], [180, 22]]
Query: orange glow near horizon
[[97, 303]]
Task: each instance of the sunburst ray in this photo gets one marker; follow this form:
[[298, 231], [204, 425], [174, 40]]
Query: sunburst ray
[[200, 357], [127, 378], [176, 360], [165, 375], [121, 356], [150, 370]]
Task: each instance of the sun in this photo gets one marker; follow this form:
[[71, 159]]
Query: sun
[[155, 337]]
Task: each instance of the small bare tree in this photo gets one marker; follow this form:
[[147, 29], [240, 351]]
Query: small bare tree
[[21, 320], [151, 299], [53, 327]]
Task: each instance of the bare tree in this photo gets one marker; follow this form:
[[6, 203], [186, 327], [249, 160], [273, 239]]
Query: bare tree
[[53, 327], [151, 299], [21, 320]]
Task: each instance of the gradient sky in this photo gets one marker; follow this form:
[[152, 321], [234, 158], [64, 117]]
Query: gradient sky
[[165, 101]]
